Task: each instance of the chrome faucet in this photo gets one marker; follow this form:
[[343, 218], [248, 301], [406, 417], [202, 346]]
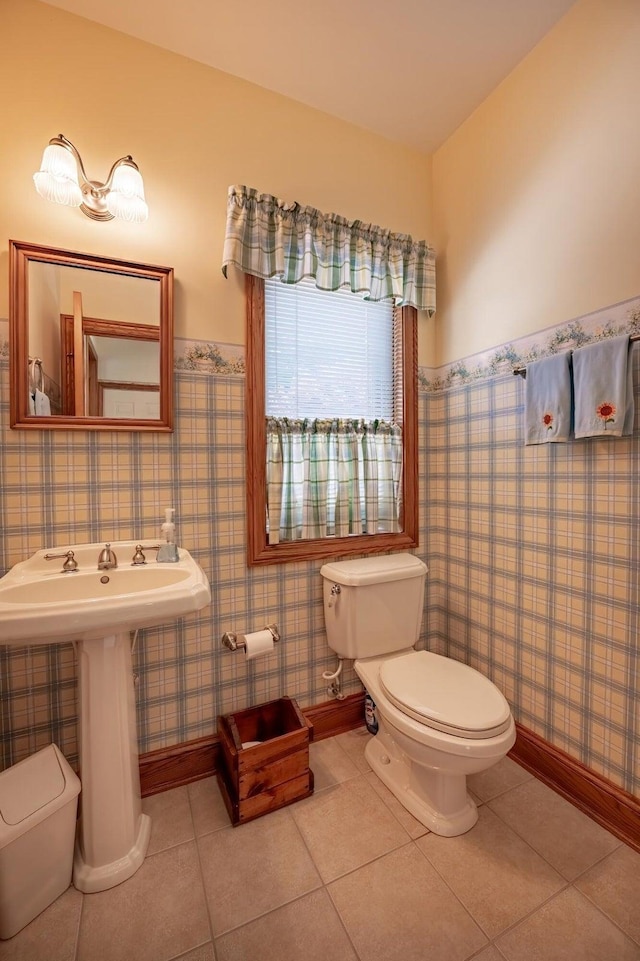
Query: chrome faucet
[[107, 559]]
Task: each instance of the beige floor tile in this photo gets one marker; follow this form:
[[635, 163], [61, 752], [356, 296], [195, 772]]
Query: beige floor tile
[[171, 821], [489, 954], [568, 928], [569, 840], [497, 779], [157, 914], [474, 797], [207, 806], [254, 868], [496, 875], [398, 909], [354, 743], [308, 929], [346, 826], [356, 825], [330, 764], [413, 827], [51, 936], [614, 885], [203, 953]]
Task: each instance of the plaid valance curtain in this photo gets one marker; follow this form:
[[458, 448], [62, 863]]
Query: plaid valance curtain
[[268, 238]]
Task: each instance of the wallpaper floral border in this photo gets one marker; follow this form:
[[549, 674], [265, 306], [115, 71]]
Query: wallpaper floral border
[[211, 357], [208, 357], [622, 318]]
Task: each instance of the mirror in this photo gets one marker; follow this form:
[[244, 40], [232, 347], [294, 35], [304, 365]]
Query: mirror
[[90, 341]]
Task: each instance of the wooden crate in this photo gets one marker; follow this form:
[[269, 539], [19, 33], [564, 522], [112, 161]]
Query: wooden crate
[[268, 775]]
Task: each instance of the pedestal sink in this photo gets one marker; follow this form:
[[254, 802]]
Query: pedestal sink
[[41, 604]]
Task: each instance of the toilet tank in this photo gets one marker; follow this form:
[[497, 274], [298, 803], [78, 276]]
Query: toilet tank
[[373, 605]]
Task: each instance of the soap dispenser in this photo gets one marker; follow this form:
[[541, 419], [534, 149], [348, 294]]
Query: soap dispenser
[[168, 552]]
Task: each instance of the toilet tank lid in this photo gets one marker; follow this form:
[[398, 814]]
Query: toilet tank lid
[[374, 570]]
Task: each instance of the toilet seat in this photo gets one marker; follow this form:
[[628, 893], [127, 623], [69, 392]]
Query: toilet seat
[[444, 694]]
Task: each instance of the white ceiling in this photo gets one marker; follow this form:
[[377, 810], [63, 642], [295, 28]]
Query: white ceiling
[[410, 70]]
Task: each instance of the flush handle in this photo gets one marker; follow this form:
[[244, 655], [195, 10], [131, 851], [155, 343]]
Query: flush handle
[[336, 590]]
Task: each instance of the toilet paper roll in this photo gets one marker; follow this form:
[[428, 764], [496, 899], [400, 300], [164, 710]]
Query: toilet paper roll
[[258, 643]]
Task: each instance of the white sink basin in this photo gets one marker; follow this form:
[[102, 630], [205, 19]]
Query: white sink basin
[[39, 604]]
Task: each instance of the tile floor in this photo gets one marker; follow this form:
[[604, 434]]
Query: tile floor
[[348, 875]]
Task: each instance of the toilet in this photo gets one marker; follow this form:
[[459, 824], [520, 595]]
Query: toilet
[[438, 719]]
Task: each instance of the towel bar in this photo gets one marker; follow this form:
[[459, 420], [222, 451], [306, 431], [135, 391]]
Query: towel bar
[[522, 371]]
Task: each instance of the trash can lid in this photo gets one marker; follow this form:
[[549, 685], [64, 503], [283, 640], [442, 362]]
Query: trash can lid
[[29, 785]]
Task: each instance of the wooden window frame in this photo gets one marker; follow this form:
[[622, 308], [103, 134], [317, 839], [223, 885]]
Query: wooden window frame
[[258, 550]]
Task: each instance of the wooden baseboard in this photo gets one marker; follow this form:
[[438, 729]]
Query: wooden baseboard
[[184, 763], [177, 765], [336, 717], [600, 799], [609, 805]]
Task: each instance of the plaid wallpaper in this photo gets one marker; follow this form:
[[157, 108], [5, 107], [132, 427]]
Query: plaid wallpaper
[[534, 567], [532, 553], [57, 487]]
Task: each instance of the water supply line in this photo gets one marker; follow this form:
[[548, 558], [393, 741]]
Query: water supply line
[[335, 687], [136, 677]]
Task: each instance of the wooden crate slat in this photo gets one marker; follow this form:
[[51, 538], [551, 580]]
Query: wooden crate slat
[[269, 774], [266, 776]]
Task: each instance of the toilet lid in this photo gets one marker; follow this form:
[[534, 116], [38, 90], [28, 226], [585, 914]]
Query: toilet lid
[[445, 694]]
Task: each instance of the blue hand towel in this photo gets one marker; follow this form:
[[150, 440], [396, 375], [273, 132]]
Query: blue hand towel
[[547, 400], [603, 383]]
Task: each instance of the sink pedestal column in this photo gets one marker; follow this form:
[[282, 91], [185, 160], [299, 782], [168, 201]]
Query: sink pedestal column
[[114, 833]]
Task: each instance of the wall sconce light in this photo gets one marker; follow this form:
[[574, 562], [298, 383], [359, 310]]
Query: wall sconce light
[[62, 179]]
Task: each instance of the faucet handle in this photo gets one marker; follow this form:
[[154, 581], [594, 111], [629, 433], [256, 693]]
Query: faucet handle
[[70, 565], [107, 558], [139, 558]]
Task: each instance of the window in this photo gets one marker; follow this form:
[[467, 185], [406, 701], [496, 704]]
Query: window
[[327, 353], [356, 361]]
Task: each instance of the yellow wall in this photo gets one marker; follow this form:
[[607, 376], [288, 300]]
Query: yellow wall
[[535, 212], [537, 195], [193, 131]]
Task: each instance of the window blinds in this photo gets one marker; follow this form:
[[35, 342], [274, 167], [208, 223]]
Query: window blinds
[[329, 354]]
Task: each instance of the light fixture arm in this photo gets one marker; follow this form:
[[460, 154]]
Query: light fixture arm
[[128, 160]]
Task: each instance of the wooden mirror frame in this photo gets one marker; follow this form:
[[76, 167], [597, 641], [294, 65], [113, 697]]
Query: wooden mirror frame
[[20, 255]]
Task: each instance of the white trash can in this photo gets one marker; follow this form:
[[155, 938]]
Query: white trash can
[[38, 804]]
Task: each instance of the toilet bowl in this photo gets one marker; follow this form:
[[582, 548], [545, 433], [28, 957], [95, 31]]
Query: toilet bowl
[[424, 755], [439, 720]]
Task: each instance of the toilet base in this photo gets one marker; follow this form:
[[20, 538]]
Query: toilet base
[[439, 801]]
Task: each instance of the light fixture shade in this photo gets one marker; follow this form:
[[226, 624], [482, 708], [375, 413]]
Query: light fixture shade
[[57, 180], [125, 199]]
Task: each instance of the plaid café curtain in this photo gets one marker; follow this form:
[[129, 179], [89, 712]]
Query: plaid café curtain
[[332, 478], [338, 477]]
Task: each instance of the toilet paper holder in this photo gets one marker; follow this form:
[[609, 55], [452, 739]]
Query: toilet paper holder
[[234, 641]]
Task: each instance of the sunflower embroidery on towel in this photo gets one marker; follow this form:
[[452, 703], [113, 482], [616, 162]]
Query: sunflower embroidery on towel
[[547, 420], [607, 413]]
